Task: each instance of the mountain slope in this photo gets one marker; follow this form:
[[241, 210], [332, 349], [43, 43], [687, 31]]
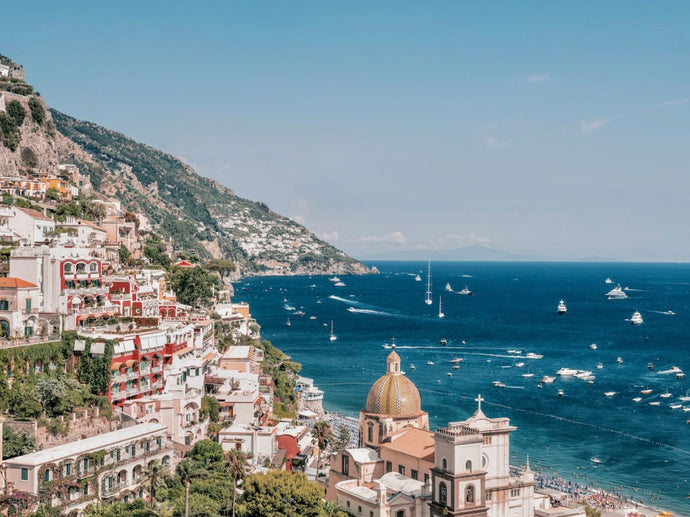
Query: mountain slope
[[196, 212]]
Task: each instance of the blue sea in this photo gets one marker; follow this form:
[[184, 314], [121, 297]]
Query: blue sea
[[644, 448]]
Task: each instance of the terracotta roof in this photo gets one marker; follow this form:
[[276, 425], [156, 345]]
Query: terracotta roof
[[414, 442], [34, 213], [15, 282]]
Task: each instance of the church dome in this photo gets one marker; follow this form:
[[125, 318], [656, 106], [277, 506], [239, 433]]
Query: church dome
[[394, 394]]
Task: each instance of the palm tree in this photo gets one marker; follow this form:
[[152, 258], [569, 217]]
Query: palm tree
[[188, 470], [154, 476], [236, 461], [321, 432]]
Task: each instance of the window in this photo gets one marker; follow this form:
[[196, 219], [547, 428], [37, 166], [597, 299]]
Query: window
[[348, 505], [488, 496], [28, 305], [389, 466], [67, 268], [400, 513], [444, 464], [442, 493], [4, 305], [468, 465], [426, 478], [346, 465], [68, 469], [93, 267], [86, 489], [46, 475], [85, 464], [413, 474], [158, 442], [515, 492], [25, 474], [370, 432], [469, 494], [484, 461], [401, 470], [117, 454], [359, 509]]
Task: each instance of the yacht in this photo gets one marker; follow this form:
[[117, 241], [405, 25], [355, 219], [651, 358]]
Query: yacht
[[566, 372], [449, 288], [619, 360], [593, 346], [616, 293], [665, 395], [440, 308], [499, 384], [444, 341], [430, 363], [334, 279], [332, 337], [417, 278], [610, 393], [339, 284], [465, 291], [608, 281], [672, 369], [636, 318], [584, 375], [560, 393], [561, 309], [393, 345], [456, 360], [547, 379], [427, 300], [676, 406], [680, 376], [527, 375], [637, 399], [532, 355]]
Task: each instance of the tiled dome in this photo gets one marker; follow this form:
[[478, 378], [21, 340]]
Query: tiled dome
[[394, 394]]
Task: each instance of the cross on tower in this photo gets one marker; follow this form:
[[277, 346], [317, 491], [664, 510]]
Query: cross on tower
[[479, 400]]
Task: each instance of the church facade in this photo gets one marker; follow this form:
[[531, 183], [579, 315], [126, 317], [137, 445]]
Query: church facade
[[402, 469]]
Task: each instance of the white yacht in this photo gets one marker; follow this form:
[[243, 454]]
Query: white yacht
[[548, 379], [566, 372], [616, 293], [332, 337], [532, 355], [440, 308], [608, 281], [430, 363], [593, 346], [561, 309], [672, 369], [610, 393], [428, 300], [456, 360], [465, 291], [449, 288], [339, 284], [636, 318], [417, 278], [637, 399], [334, 279]]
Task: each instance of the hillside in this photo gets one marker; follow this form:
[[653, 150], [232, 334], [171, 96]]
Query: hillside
[[197, 214]]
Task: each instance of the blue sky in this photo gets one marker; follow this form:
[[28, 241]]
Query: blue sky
[[558, 130]]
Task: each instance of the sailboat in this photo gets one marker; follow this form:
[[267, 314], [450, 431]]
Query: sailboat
[[428, 286], [448, 287], [287, 323], [332, 336], [440, 308]]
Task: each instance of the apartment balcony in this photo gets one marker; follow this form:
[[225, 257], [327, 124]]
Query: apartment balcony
[[110, 491], [86, 291], [120, 297], [98, 310]]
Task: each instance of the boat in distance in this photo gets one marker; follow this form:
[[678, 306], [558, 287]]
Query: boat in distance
[[464, 291], [636, 318], [561, 309], [616, 293]]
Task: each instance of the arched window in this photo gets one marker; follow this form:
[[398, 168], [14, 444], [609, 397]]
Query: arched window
[[93, 267], [67, 268], [484, 460], [468, 465], [469, 494], [444, 464], [81, 267], [442, 493], [370, 432]]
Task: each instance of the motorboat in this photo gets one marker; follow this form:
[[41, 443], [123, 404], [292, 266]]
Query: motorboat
[[412, 367], [637, 399], [449, 374], [449, 288], [519, 365], [312, 317], [566, 372], [608, 281], [456, 360], [287, 323], [616, 293], [351, 309], [547, 379], [339, 284], [456, 367], [561, 309], [288, 307], [672, 369], [499, 384], [680, 376], [610, 393], [334, 279], [430, 363], [655, 403], [596, 461], [676, 406], [444, 341], [560, 393], [636, 318], [298, 313], [600, 366], [650, 366], [532, 355], [583, 374], [464, 291], [619, 360], [527, 375], [593, 346], [670, 313], [665, 395]]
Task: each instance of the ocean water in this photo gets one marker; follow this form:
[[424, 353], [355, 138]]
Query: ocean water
[[644, 449]]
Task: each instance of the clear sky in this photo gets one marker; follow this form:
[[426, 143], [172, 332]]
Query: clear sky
[[554, 129]]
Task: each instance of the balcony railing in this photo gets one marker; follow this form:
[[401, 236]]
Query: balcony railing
[[98, 310], [86, 290]]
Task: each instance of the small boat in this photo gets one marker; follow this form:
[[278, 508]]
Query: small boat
[[332, 337], [561, 309], [600, 366], [619, 360], [547, 379], [288, 307], [610, 393], [650, 366], [608, 281], [517, 352], [676, 406], [418, 278], [636, 318], [680, 376], [560, 393], [596, 461], [532, 355], [412, 367], [593, 346], [440, 308], [287, 323], [312, 317], [616, 293], [393, 345], [665, 395], [527, 375], [464, 291], [499, 384], [351, 309], [334, 279], [655, 403], [456, 360], [456, 367], [444, 341], [339, 284], [670, 313], [449, 374], [637, 399], [519, 365], [430, 363], [646, 391], [449, 288], [298, 313]]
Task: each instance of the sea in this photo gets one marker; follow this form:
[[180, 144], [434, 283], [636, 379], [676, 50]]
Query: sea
[[610, 432]]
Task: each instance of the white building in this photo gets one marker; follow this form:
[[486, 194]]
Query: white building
[[33, 226]]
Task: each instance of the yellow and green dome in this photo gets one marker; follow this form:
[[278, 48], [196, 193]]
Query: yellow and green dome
[[394, 394]]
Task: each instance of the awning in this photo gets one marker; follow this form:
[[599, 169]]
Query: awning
[[129, 362], [307, 414], [98, 348], [150, 342], [124, 346], [115, 366], [184, 350], [79, 345]]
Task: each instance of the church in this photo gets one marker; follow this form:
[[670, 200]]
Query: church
[[402, 469]]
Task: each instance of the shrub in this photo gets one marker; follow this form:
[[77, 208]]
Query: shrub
[[38, 113]]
